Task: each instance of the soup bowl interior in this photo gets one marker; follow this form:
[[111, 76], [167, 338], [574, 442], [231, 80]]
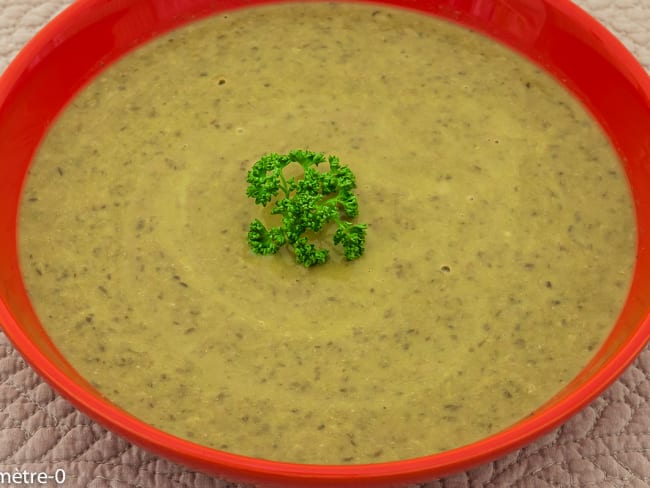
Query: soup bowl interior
[[90, 34]]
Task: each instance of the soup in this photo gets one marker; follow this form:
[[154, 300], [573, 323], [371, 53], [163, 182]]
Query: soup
[[501, 235]]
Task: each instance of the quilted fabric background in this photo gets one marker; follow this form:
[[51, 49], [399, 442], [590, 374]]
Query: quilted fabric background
[[605, 446]]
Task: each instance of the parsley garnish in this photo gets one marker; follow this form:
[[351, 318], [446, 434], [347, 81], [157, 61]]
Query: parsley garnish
[[306, 204]]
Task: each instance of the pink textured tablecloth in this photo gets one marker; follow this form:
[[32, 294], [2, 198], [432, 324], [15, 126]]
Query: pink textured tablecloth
[[606, 445]]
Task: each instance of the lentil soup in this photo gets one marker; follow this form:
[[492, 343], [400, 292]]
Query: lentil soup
[[501, 235]]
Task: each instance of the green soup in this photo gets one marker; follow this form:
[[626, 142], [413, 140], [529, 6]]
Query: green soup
[[501, 235]]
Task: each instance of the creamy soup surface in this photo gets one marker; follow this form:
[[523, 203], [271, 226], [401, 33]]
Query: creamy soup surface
[[501, 235]]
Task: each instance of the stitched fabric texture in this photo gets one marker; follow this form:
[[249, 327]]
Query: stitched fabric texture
[[607, 445]]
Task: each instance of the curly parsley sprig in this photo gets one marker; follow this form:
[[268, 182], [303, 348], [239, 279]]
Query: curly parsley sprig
[[305, 204]]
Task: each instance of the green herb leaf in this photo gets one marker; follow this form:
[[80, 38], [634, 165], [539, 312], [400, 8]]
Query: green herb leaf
[[305, 204]]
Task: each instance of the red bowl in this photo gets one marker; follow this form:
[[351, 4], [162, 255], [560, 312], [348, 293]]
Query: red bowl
[[554, 33]]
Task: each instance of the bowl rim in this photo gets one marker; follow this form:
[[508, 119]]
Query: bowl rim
[[256, 470]]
